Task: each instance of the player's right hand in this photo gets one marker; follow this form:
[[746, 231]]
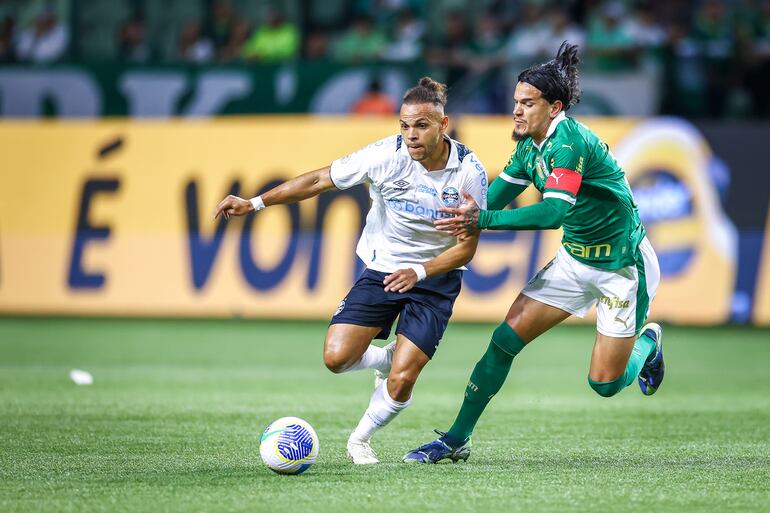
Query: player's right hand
[[465, 220], [233, 206]]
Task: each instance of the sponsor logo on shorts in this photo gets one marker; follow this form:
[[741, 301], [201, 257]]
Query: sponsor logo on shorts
[[622, 321], [614, 302], [340, 308], [450, 196]]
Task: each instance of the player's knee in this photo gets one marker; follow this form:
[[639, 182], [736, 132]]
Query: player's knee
[[507, 339], [606, 388], [400, 384], [336, 361]]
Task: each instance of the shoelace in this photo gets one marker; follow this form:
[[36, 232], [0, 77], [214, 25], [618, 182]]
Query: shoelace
[[442, 434], [365, 449]]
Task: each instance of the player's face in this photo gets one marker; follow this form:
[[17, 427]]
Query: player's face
[[422, 127], [532, 114]]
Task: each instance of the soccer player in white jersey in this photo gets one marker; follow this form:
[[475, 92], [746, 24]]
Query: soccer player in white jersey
[[413, 271]]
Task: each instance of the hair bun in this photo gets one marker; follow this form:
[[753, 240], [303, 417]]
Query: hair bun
[[558, 78], [427, 90]]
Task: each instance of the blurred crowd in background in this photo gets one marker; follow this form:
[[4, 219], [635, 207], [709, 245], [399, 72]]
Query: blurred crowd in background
[[713, 56]]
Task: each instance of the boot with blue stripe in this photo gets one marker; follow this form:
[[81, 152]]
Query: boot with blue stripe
[[651, 375], [444, 447]]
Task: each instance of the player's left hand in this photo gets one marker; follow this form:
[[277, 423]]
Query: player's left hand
[[400, 281], [465, 221], [233, 206]]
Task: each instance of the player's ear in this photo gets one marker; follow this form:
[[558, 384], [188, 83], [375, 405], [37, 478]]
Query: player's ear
[[444, 123], [556, 107]]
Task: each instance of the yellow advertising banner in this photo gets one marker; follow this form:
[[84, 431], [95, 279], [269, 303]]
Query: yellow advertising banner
[[115, 218]]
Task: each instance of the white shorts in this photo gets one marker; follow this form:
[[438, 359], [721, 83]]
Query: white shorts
[[622, 296]]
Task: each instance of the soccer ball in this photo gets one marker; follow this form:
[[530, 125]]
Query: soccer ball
[[289, 446]]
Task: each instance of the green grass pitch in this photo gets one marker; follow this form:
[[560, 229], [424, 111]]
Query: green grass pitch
[[172, 423]]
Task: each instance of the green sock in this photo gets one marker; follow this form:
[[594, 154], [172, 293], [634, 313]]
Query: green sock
[[643, 348], [486, 380]]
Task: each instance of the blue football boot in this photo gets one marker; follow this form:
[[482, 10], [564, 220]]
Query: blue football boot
[[651, 375], [438, 450]]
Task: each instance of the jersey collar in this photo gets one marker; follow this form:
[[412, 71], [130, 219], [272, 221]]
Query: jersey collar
[[454, 154], [551, 128]]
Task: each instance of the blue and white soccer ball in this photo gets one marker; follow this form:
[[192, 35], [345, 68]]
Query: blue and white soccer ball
[[289, 446]]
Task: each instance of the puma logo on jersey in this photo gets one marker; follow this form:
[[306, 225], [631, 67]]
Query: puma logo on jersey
[[623, 321], [568, 146], [556, 177]]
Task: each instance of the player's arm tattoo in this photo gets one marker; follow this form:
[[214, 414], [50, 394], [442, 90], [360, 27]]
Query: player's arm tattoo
[[471, 216]]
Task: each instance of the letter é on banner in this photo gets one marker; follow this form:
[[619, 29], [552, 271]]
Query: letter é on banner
[[203, 251], [79, 278]]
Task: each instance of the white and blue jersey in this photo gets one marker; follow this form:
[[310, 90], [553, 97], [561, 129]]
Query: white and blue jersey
[[406, 199]]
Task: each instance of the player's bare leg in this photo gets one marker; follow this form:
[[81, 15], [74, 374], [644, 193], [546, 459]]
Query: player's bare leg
[[616, 362], [530, 318], [387, 400], [349, 347], [526, 320], [609, 357], [408, 362]]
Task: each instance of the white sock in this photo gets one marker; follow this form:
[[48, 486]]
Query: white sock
[[382, 409], [374, 358]]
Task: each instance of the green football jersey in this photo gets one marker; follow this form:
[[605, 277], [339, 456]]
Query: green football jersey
[[602, 228]]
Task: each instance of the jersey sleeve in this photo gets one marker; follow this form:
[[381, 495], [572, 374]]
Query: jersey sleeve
[[475, 182], [514, 171], [363, 165], [566, 172], [501, 193]]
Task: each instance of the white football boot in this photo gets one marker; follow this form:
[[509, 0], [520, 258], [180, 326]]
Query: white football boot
[[379, 376], [361, 452]]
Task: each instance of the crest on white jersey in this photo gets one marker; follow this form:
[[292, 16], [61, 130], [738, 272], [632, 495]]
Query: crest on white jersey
[[450, 196]]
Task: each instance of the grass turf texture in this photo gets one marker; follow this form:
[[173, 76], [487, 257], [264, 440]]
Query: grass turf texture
[[173, 420]]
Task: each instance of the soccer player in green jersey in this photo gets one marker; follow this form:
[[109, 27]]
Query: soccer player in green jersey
[[605, 258]]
